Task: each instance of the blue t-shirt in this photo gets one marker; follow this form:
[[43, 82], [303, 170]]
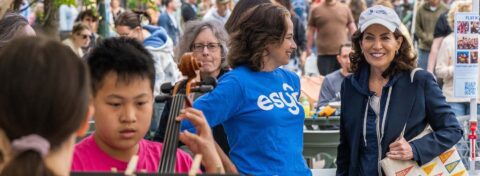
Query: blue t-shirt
[[262, 118]]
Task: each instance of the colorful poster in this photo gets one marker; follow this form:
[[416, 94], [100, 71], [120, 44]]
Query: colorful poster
[[467, 30]]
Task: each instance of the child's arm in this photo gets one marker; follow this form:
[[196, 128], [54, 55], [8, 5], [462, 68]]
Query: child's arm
[[202, 142], [227, 163]]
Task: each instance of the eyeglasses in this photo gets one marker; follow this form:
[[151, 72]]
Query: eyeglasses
[[199, 47]]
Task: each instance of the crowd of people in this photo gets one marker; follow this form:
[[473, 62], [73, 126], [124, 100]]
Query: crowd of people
[[468, 43], [252, 122]]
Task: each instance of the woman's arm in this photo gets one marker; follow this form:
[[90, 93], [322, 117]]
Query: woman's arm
[[433, 56], [447, 130], [220, 104], [444, 67], [202, 142]]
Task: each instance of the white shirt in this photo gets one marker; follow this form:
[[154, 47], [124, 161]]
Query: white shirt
[[213, 15]]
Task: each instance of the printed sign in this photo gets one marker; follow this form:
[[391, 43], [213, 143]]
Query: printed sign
[[465, 77]]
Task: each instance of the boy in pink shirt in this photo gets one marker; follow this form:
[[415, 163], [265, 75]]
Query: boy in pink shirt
[[122, 73], [89, 157]]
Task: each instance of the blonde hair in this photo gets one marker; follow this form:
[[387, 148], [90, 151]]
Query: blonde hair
[[458, 6]]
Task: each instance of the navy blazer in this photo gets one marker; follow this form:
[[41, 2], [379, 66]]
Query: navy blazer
[[166, 22], [417, 104]]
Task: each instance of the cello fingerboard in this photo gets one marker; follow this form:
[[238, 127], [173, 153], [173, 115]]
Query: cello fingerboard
[[170, 143]]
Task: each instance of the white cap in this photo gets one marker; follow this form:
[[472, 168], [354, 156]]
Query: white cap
[[379, 15]]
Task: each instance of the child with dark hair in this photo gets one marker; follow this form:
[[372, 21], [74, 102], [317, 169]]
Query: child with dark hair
[[44, 102], [122, 81], [131, 24]]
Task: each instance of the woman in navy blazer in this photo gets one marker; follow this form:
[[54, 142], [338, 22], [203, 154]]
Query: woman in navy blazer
[[380, 98]]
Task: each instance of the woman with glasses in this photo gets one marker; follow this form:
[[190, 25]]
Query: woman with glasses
[[80, 38], [135, 24], [257, 101], [207, 40]]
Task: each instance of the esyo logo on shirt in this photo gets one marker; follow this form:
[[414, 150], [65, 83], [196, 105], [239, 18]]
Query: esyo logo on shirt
[[280, 100]]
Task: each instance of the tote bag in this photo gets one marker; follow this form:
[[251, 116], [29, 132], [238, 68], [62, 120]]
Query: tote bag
[[447, 163]]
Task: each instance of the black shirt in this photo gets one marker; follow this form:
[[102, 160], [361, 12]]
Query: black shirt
[[442, 29]]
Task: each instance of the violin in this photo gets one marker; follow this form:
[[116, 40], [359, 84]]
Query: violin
[[180, 94]]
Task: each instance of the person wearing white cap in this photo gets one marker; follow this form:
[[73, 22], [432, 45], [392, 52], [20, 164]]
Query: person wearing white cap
[[386, 101]]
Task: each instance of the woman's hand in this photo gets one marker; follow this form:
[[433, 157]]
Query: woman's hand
[[400, 150], [202, 142]]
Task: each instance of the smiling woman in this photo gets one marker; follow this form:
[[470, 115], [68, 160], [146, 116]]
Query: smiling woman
[[262, 117], [383, 98]]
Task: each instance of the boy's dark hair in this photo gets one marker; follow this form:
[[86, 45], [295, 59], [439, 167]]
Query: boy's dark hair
[[87, 13], [124, 56]]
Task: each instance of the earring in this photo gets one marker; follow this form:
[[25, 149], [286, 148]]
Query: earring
[[396, 52]]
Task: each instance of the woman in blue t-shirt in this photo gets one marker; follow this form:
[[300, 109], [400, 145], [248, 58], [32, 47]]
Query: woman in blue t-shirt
[[257, 102]]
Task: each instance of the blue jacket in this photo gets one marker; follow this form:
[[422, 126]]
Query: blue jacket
[[161, 48], [416, 103], [166, 22], [158, 37]]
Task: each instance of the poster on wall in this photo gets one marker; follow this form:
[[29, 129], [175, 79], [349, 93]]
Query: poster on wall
[[465, 77]]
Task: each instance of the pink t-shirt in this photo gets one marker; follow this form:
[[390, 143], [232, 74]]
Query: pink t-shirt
[[89, 157]]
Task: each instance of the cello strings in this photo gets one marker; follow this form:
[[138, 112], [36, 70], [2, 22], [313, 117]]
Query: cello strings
[[171, 138]]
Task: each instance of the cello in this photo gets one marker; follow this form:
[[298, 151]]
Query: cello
[[181, 98]]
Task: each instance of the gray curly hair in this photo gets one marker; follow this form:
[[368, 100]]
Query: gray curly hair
[[193, 28]]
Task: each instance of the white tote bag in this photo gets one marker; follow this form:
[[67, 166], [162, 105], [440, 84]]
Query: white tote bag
[[447, 163]]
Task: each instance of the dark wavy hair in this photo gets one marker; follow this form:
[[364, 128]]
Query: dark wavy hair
[[405, 60], [262, 25]]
